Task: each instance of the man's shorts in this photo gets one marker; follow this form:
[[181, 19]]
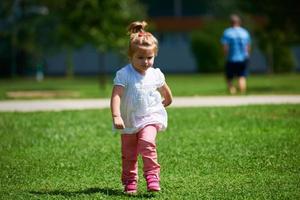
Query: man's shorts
[[236, 69]]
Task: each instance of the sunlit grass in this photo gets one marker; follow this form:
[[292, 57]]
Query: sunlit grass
[[249, 152], [181, 85]]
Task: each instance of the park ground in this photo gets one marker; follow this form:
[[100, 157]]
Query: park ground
[[218, 152]]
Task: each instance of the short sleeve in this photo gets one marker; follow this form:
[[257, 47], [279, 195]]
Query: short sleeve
[[160, 77], [120, 78]]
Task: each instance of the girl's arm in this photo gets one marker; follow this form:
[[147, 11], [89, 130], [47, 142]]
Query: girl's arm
[[115, 103], [165, 91]]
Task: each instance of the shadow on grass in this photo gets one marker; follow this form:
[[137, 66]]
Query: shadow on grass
[[89, 191]]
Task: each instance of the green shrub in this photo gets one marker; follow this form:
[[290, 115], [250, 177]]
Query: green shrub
[[284, 60], [207, 48], [275, 46]]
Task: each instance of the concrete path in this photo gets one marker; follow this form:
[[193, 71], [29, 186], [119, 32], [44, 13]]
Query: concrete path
[[78, 104]]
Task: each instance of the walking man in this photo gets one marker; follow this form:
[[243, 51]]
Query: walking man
[[236, 43]]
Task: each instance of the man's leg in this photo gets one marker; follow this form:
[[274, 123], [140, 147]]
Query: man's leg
[[229, 73], [242, 84], [230, 86]]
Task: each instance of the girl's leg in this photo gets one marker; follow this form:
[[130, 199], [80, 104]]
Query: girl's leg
[[129, 158], [147, 149]]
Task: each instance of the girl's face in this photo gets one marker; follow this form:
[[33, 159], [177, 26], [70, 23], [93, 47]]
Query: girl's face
[[142, 59]]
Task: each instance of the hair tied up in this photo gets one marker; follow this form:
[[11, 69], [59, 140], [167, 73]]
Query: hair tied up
[[137, 27], [140, 38]]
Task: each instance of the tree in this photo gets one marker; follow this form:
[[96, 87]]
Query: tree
[[101, 23], [71, 24], [280, 30], [206, 46], [276, 26], [16, 31]]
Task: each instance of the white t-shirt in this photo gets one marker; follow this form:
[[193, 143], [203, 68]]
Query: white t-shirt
[[141, 102]]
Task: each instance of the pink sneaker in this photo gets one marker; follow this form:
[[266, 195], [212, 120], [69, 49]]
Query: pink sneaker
[[152, 183], [130, 187]]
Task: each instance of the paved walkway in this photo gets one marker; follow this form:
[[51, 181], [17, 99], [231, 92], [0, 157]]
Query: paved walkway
[[77, 104]]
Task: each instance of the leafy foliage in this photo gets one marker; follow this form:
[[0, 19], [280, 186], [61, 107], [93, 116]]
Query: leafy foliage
[[68, 24], [181, 85], [102, 23], [279, 31], [279, 15], [206, 47]]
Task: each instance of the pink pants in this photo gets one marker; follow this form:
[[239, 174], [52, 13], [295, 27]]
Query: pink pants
[[142, 143]]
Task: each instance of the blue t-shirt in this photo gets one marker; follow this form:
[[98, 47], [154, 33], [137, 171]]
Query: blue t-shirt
[[237, 39]]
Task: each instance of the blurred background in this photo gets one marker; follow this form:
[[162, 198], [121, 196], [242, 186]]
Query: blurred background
[[88, 37]]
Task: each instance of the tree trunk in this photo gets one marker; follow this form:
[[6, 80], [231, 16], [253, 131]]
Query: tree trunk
[[102, 71], [69, 64], [270, 59]]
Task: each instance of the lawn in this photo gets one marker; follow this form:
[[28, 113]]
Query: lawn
[[181, 85], [247, 152]]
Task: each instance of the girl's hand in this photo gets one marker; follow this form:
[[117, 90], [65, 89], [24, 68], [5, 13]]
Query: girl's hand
[[166, 103], [118, 122], [165, 91]]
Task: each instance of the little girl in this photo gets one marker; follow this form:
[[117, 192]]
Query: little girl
[[138, 109]]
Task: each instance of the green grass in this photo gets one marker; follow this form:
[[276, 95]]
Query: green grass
[[181, 85], [249, 152], [204, 84], [84, 87]]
